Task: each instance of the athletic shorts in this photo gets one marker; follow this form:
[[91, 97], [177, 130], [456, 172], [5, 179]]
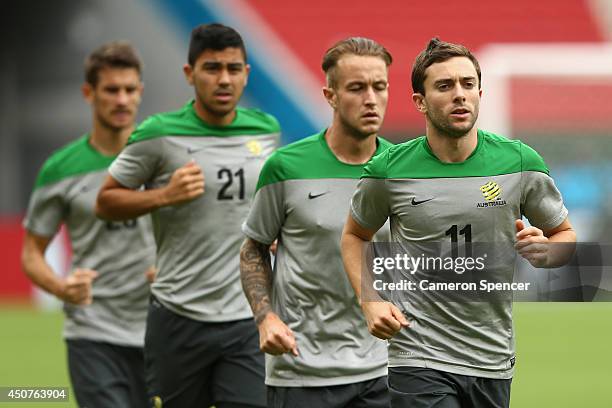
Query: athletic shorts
[[365, 394], [197, 364], [106, 375], [415, 387]]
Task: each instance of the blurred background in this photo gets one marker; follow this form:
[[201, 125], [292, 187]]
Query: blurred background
[[547, 80]]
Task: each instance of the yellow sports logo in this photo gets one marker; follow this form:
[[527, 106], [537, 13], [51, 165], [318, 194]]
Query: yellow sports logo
[[491, 191], [254, 147]]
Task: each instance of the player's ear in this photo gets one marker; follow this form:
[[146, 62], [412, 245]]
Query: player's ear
[[247, 68], [419, 102], [140, 91], [330, 96], [87, 91], [188, 71]]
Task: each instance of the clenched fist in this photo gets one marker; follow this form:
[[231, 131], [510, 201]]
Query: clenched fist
[[76, 288], [275, 337], [186, 183]]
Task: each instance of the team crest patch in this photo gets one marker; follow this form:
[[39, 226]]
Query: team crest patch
[[254, 147], [492, 192]]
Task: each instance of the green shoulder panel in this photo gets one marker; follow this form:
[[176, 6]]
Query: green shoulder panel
[[150, 128], [271, 172], [383, 145], [393, 160], [77, 157], [256, 119], [532, 161], [185, 122], [494, 155], [377, 166], [508, 151], [288, 160], [310, 158]]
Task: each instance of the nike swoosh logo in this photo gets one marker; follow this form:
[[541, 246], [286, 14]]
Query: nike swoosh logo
[[191, 150], [311, 196], [415, 202]]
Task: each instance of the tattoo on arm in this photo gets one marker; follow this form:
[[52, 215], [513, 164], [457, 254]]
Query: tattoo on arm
[[255, 274]]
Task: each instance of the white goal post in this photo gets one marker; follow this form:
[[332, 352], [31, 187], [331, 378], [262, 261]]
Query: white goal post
[[501, 62]]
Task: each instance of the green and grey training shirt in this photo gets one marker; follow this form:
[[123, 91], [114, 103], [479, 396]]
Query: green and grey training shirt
[[302, 199], [427, 201], [121, 252], [198, 242]]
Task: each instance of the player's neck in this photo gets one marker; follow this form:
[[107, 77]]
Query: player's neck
[[211, 118], [109, 142], [348, 148], [450, 149]]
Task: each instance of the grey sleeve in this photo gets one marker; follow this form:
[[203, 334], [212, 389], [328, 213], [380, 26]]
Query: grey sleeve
[[267, 214], [541, 201], [46, 210], [137, 163], [370, 205]]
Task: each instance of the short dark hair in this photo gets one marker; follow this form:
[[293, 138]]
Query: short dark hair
[[115, 54], [438, 51], [352, 46], [215, 37]]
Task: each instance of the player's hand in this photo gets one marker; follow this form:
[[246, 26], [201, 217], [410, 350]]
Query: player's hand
[[274, 247], [150, 273], [186, 183], [275, 337], [76, 288], [384, 319], [532, 245]]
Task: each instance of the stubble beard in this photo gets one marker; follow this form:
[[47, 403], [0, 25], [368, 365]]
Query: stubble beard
[[446, 129]]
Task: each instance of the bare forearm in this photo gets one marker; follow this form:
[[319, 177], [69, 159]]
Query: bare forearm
[[352, 247], [354, 238], [40, 273], [75, 288], [120, 203], [255, 275], [562, 247], [566, 236]]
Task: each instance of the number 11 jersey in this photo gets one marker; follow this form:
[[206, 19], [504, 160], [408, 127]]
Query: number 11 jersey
[[429, 203]]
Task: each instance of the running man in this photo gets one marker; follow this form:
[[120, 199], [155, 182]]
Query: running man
[[319, 352], [455, 183], [106, 296], [201, 344]]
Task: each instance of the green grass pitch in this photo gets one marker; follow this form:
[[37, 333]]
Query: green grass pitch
[[564, 354], [32, 353]]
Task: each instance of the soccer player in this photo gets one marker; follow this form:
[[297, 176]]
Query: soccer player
[[319, 352], [201, 343], [106, 295], [453, 354]]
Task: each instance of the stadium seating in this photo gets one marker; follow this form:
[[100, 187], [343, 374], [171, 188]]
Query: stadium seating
[[404, 27]]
